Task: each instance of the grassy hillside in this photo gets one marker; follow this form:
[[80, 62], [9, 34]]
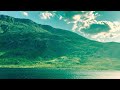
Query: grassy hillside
[[24, 43]]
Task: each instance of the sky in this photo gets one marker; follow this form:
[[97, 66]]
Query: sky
[[102, 26]]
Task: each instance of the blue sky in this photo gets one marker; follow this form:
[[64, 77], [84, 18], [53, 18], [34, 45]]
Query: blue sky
[[103, 26]]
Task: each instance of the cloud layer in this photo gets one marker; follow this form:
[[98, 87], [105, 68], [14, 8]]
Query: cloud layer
[[86, 24]]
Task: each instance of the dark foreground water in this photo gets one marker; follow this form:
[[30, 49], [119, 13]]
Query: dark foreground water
[[33, 73]]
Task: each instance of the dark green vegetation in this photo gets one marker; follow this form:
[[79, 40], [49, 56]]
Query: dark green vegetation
[[23, 43]]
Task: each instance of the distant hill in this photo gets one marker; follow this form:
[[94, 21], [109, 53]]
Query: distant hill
[[23, 41]]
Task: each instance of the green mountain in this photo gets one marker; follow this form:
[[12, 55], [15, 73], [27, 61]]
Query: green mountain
[[24, 43]]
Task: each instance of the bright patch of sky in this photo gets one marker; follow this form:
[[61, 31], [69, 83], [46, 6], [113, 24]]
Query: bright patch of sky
[[103, 26]]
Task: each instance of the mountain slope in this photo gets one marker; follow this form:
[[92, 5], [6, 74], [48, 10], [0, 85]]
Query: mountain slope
[[23, 41]]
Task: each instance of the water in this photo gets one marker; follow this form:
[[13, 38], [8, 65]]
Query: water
[[36, 73]]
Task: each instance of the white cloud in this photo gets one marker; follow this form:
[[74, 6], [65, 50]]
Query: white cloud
[[76, 17], [82, 20], [112, 35], [74, 27], [60, 18], [25, 13], [46, 15]]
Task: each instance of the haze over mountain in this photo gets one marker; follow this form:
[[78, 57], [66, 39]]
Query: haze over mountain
[[26, 43]]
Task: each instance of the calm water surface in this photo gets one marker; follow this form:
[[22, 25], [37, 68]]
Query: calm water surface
[[36, 73]]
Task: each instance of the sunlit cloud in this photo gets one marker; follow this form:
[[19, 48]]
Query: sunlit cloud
[[46, 15], [25, 13], [60, 18], [80, 19], [76, 17], [112, 35]]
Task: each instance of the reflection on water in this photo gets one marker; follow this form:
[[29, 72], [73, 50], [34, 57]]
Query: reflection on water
[[108, 75], [56, 74], [97, 75]]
